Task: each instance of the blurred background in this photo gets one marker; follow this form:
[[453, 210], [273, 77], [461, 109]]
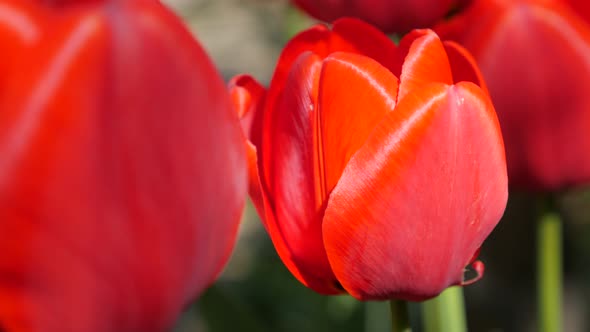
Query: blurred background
[[256, 293]]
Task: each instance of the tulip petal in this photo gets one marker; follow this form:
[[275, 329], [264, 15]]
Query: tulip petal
[[418, 199], [463, 65], [118, 144], [355, 36], [424, 61], [346, 119], [579, 7], [388, 15], [347, 35], [288, 175], [248, 97]]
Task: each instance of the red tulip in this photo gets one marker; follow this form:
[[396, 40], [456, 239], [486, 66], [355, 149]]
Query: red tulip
[[380, 170], [535, 57], [387, 15], [122, 176]]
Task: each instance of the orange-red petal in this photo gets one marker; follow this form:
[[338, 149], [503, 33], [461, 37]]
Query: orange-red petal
[[355, 93], [248, 98], [418, 199], [424, 61], [288, 176], [355, 36], [347, 35]]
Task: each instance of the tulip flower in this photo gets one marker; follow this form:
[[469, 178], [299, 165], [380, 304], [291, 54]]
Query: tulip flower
[[123, 173], [534, 55], [388, 15], [377, 170]]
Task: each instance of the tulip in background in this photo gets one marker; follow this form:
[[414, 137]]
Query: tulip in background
[[534, 55], [397, 16], [122, 176], [377, 170]]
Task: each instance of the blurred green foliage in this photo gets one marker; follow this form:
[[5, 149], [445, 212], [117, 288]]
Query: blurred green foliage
[[270, 299]]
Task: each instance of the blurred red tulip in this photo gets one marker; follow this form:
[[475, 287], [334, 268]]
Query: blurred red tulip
[[388, 15], [380, 170], [123, 175], [535, 57]]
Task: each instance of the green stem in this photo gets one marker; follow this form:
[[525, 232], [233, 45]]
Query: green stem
[[400, 318], [377, 316], [445, 312], [549, 268]]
